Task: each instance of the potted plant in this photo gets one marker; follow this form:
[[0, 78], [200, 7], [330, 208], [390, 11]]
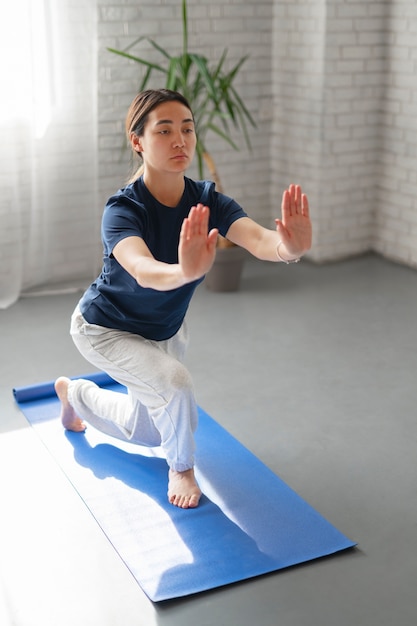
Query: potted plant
[[216, 105]]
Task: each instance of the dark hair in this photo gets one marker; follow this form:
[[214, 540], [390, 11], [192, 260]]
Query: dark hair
[[141, 107]]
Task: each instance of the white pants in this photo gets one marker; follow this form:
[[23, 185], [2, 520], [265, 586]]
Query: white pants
[[159, 408]]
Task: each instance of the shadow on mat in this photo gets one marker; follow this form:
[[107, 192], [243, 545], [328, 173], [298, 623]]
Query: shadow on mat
[[221, 552]]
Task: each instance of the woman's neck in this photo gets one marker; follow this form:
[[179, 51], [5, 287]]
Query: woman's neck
[[168, 190]]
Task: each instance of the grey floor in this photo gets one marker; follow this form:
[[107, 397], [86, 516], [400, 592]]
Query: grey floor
[[313, 368]]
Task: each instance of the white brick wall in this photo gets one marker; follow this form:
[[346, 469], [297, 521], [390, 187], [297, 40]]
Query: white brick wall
[[395, 233], [345, 125], [334, 79], [332, 86]]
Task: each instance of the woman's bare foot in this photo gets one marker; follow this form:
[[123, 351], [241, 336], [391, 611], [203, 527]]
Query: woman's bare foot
[[69, 418], [183, 490]]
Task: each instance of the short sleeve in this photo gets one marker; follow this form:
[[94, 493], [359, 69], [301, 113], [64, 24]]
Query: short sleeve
[[123, 217]]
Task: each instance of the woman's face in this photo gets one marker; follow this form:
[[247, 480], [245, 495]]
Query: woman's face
[[169, 140]]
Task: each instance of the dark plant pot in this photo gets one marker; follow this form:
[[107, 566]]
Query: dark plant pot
[[227, 269]]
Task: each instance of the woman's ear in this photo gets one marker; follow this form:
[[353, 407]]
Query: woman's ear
[[135, 143]]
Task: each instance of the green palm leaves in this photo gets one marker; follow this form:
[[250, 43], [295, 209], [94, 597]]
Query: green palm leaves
[[208, 87]]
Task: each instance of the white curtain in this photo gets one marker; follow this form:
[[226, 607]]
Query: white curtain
[[48, 144]]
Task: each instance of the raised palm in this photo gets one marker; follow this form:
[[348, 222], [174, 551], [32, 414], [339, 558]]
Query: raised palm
[[197, 247], [294, 227]]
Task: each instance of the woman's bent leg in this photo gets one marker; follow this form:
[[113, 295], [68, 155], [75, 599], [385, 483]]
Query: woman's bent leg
[[159, 409]]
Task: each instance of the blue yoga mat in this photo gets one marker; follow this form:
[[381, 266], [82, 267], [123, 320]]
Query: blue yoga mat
[[248, 523]]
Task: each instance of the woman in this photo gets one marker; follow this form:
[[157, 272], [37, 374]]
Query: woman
[[159, 236]]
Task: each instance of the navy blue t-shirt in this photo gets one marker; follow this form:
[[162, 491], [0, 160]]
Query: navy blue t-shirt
[[115, 300]]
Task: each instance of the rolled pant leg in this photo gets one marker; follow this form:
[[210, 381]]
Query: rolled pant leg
[[109, 412], [160, 407]]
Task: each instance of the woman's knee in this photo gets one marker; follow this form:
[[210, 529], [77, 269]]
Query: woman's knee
[[179, 378]]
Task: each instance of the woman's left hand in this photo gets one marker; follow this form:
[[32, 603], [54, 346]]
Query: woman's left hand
[[294, 227]]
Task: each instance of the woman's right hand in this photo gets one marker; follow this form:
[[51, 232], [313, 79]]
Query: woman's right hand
[[197, 246]]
